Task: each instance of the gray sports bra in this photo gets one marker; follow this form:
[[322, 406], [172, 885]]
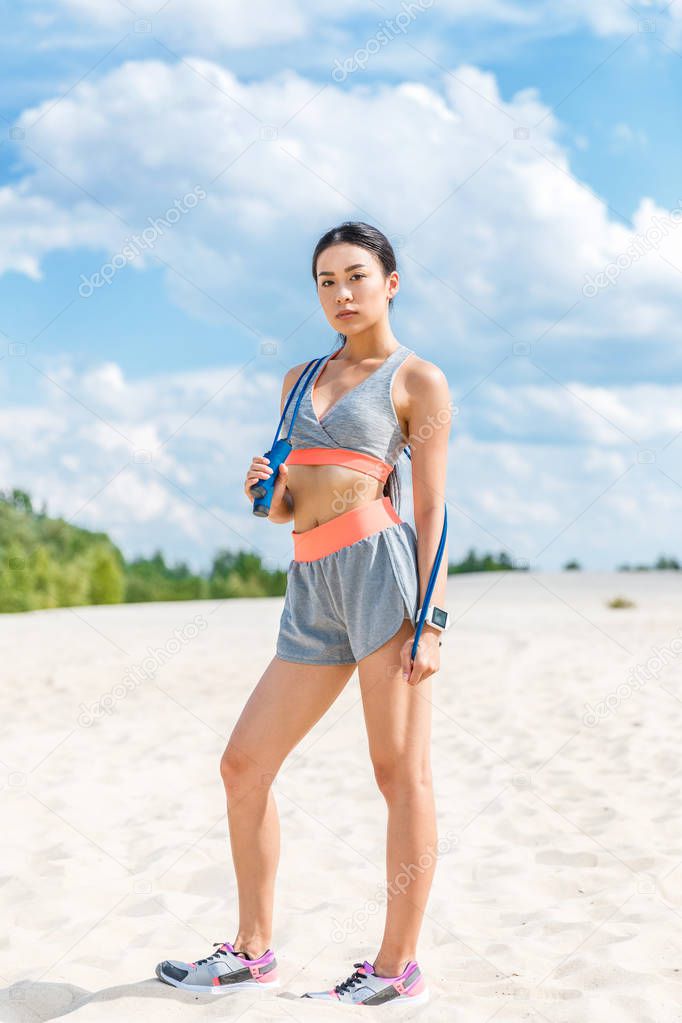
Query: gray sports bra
[[360, 430]]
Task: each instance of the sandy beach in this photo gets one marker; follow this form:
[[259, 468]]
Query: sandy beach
[[556, 739]]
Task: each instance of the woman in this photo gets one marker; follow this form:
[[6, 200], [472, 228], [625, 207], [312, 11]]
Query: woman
[[354, 590]]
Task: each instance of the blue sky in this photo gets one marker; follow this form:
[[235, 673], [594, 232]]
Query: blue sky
[[511, 152]]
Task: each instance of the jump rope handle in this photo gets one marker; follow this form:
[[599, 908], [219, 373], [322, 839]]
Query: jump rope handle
[[281, 449]]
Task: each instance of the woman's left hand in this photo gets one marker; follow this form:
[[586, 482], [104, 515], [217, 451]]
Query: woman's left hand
[[427, 659]]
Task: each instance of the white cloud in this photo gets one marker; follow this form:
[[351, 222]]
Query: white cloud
[[168, 451], [32, 225], [208, 27], [484, 213], [608, 417], [105, 383], [526, 461], [574, 501], [623, 136], [208, 24]]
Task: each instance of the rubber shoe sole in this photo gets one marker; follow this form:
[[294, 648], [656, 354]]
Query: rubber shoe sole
[[421, 999]]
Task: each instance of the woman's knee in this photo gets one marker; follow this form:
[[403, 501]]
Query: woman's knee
[[240, 770], [398, 778]]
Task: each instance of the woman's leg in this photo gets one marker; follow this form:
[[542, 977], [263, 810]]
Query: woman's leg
[[398, 720], [285, 704]]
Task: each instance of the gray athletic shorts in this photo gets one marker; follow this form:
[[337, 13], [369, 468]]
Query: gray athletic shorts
[[345, 605]]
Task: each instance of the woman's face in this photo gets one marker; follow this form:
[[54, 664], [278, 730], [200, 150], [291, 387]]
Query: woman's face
[[351, 278]]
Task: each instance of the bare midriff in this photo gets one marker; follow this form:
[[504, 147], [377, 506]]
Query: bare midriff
[[321, 492]]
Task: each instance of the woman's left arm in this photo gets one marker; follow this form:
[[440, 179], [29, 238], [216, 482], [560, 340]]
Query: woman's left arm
[[429, 418]]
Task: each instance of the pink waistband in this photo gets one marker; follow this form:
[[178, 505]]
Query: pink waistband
[[345, 529], [346, 457]]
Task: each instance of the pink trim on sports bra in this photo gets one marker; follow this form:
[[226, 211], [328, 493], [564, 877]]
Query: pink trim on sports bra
[[345, 457]]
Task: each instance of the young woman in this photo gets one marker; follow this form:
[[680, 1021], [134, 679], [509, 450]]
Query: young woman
[[354, 589]]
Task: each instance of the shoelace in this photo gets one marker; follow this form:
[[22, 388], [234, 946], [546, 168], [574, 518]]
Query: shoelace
[[350, 982], [214, 955]]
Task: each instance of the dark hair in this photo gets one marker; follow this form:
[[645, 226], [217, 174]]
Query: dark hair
[[357, 232]]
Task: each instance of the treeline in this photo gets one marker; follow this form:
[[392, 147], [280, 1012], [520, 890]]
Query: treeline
[[662, 563], [474, 562], [46, 562]]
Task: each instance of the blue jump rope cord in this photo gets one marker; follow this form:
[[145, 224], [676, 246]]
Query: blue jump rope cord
[[291, 395], [314, 363], [432, 577]]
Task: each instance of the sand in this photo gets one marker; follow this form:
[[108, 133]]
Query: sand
[[558, 892]]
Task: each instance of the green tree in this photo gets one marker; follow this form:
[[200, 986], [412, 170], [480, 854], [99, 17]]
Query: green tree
[[106, 577], [664, 563], [48, 562], [18, 499], [15, 583], [44, 572]]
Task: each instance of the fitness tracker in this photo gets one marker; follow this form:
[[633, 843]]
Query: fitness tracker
[[436, 616]]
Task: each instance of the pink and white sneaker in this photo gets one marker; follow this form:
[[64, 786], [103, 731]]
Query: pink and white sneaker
[[363, 987], [222, 972]]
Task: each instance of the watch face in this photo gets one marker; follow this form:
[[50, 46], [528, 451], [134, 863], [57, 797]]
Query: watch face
[[439, 617]]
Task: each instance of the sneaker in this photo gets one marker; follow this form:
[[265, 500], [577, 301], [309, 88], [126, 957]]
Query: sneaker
[[363, 987], [222, 971]]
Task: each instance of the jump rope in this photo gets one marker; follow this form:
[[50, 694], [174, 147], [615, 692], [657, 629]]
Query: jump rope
[[280, 451]]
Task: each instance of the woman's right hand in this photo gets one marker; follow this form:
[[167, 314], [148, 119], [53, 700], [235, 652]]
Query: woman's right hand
[[260, 470]]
